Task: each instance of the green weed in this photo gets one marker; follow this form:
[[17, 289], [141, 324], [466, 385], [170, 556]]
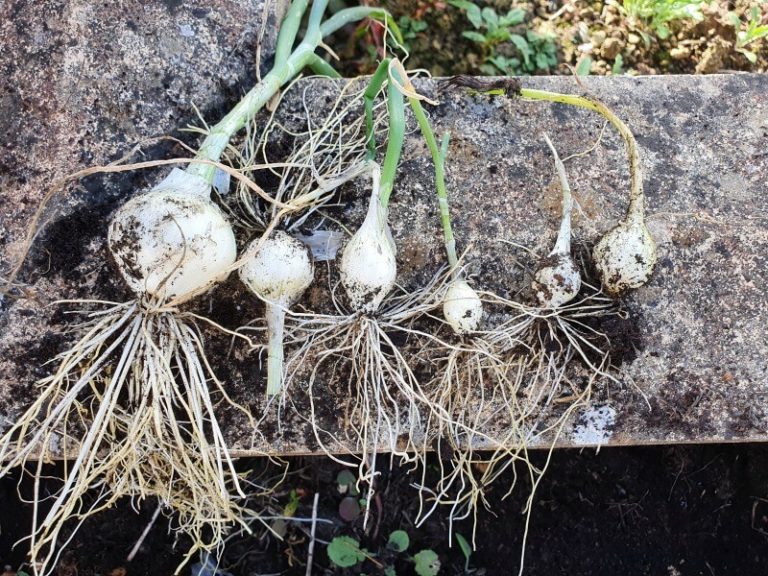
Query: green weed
[[532, 51], [656, 15], [345, 552], [749, 32], [410, 28]]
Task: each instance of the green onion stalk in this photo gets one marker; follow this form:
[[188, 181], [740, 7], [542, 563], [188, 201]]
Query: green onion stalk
[[462, 307], [287, 65], [368, 267]]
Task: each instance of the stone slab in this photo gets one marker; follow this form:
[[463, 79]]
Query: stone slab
[[81, 82], [693, 354], [698, 352]]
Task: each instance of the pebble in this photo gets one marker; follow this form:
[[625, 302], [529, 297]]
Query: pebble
[[611, 48], [680, 53], [714, 56], [598, 38]]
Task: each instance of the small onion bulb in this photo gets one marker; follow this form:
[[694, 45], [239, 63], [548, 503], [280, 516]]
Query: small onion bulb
[[625, 257], [462, 307], [172, 242], [557, 281], [278, 270], [368, 266]]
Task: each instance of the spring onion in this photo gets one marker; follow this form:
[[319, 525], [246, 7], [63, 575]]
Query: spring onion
[[278, 271], [626, 255], [557, 280], [462, 306]]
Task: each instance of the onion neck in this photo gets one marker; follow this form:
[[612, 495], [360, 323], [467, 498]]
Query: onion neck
[[185, 183], [563, 243]]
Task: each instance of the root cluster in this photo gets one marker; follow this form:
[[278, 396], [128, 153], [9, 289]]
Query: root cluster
[[132, 399]]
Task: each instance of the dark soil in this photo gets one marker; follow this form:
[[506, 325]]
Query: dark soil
[[615, 42], [654, 510]]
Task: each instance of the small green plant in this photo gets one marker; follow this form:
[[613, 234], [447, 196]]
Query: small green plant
[[398, 541], [345, 552], [466, 549], [410, 28], [658, 14], [618, 65], [496, 28], [426, 563], [293, 504], [280, 525], [584, 66], [346, 483], [749, 32], [534, 51], [352, 505]]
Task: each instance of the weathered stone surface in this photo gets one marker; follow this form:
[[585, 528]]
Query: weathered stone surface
[[698, 346], [82, 82], [693, 352]]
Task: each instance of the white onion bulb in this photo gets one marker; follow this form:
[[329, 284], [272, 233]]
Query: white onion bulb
[[557, 281], [368, 266], [462, 307], [172, 242], [625, 257], [277, 271]]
